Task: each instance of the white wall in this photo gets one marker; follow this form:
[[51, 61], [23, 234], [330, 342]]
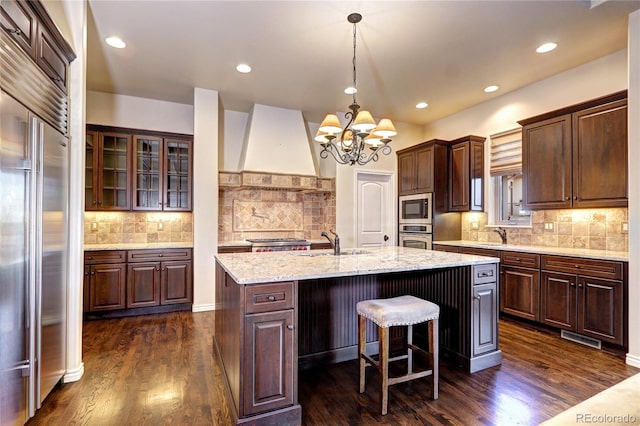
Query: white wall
[[234, 124], [633, 357], [138, 113]]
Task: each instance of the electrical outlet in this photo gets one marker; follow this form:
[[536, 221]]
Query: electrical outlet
[[548, 226], [160, 226], [94, 226], [625, 227], [474, 225]]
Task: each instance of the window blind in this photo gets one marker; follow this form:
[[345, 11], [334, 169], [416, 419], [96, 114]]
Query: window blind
[[506, 152]]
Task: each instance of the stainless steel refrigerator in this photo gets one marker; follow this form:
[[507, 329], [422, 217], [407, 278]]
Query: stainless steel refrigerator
[[33, 247]]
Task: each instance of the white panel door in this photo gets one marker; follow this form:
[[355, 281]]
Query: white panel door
[[374, 206]]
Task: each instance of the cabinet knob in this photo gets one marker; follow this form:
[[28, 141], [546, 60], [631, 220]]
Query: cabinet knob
[[271, 298], [160, 255], [518, 259], [290, 327], [15, 31], [567, 198], [580, 285], [576, 266], [90, 257], [575, 198], [93, 273], [573, 284]]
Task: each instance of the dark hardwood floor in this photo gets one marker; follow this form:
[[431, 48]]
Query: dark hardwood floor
[[160, 370]]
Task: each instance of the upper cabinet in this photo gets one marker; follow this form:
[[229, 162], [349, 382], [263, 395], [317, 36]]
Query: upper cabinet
[[162, 173], [29, 25], [466, 174], [129, 170], [107, 155], [415, 170], [577, 156]]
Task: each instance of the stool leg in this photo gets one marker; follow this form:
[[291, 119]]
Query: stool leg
[[362, 346], [409, 350], [384, 368], [433, 349]]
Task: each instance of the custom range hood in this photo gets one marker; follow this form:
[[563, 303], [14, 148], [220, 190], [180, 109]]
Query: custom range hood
[[276, 154]]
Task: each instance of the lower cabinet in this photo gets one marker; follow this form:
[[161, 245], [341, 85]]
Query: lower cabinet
[[137, 279], [520, 285], [485, 318]]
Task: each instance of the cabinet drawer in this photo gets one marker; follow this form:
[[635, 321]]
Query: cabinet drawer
[[477, 251], [158, 255], [104, 256], [526, 260], [589, 267], [268, 297], [485, 274]]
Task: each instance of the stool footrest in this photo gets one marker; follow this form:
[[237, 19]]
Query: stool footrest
[[407, 377]]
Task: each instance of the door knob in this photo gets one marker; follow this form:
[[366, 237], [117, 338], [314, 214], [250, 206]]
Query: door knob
[[386, 238]]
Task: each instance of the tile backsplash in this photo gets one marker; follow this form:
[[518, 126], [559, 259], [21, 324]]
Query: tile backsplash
[[128, 227], [267, 213], [597, 229]]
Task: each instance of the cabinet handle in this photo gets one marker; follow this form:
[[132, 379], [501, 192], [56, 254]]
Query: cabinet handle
[[573, 284], [90, 257], [476, 297], [94, 202], [271, 298], [580, 285], [567, 198], [15, 31], [575, 198], [289, 327], [518, 259], [93, 273], [160, 255], [576, 266], [157, 268], [164, 269]]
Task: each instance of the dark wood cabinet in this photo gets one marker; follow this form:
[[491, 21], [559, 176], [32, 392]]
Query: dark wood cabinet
[[120, 279], [449, 249], [107, 185], [31, 28], [485, 318], [466, 174], [20, 22], [104, 280], [415, 170], [577, 156], [162, 173], [269, 361], [520, 285], [586, 297]]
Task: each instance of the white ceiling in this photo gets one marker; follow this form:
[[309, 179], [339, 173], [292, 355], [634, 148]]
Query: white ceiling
[[440, 52]]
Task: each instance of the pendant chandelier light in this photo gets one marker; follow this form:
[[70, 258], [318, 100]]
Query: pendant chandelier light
[[349, 145]]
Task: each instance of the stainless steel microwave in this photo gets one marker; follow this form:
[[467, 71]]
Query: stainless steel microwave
[[415, 209]]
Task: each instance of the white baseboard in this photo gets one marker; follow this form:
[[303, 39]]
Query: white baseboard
[[203, 308], [633, 360], [73, 375]]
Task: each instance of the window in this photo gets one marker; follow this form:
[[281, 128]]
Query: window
[[506, 174]]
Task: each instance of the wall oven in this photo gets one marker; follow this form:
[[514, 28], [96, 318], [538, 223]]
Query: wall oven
[[415, 209], [415, 240]]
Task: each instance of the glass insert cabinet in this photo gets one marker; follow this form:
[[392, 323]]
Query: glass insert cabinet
[[136, 171]]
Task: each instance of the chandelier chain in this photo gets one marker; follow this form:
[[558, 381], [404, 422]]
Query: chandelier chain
[[355, 84]]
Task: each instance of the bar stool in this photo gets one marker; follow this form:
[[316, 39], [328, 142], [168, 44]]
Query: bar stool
[[397, 311]]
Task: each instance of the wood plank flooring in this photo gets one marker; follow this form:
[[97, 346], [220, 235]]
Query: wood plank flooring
[[160, 370]]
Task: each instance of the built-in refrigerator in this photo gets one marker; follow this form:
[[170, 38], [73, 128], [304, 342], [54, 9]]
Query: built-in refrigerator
[[33, 230]]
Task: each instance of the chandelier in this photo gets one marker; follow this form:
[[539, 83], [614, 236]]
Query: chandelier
[[349, 145]]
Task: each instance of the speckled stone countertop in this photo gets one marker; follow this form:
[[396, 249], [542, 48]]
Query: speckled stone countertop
[[240, 243], [253, 268], [558, 251], [135, 246]]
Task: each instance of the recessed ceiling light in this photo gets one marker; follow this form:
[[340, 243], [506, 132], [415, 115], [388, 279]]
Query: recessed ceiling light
[[421, 105], [116, 42], [547, 47], [350, 90], [490, 89], [243, 68]]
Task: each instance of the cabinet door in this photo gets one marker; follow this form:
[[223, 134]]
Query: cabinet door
[[178, 175], [147, 173], [86, 285], [20, 23], [424, 169], [485, 318], [269, 361], [459, 178], [558, 300], [90, 171], [51, 59], [546, 163], [519, 292], [113, 165], [143, 284], [107, 287], [476, 176], [177, 282], [600, 309], [406, 173], [600, 156]]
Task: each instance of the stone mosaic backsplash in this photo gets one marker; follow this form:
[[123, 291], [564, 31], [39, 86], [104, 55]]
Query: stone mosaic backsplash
[[277, 214], [128, 227], [595, 229]]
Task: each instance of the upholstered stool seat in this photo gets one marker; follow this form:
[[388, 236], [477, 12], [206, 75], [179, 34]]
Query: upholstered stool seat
[[397, 311]]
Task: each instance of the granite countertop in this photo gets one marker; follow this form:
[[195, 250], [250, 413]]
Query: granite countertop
[[135, 246], [253, 268], [559, 251], [240, 243]]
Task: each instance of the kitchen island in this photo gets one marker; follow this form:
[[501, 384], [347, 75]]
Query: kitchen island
[[278, 311]]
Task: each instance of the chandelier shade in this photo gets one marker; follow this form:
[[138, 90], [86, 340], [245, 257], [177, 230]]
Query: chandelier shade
[[347, 144]]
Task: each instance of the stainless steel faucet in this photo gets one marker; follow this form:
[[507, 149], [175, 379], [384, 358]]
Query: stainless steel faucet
[[503, 234], [335, 244]]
